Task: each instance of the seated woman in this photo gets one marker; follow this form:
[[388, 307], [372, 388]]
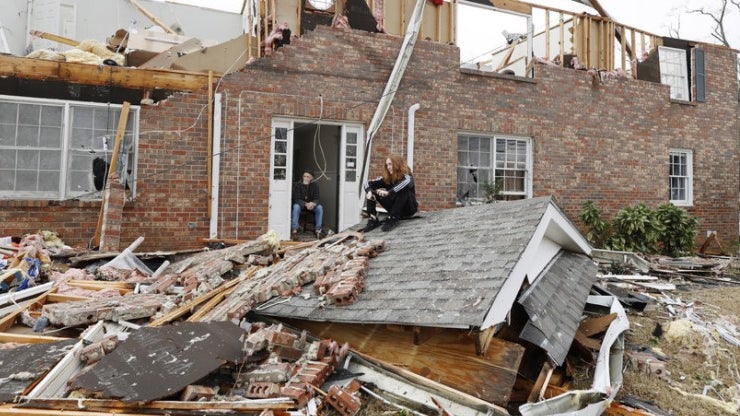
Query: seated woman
[[395, 191], [306, 196]]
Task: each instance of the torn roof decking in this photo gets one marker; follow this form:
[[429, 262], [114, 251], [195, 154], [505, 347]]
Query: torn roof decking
[[21, 366], [450, 268], [166, 359]]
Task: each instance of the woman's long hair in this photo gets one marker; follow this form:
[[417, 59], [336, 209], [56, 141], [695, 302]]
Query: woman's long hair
[[400, 168]]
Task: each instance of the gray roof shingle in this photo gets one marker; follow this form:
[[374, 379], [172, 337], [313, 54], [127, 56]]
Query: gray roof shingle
[[443, 269], [555, 302]]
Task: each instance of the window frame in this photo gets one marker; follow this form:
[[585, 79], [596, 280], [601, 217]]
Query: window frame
[[688, 177], [491, 167], [66, 151], [674, 58]]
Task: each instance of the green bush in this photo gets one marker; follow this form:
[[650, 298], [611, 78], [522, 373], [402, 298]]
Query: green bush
[[597, 229], [670, 230], [679, 230], [636, 228]]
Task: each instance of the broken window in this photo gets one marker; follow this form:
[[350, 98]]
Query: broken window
[[674, 72], [53, 149], [681, 177], [497, 167]]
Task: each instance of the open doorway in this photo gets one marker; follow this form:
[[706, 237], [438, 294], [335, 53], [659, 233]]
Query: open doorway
[[316, 147]]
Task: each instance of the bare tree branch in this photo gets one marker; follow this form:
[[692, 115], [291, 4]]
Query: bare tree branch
[[718, 17]]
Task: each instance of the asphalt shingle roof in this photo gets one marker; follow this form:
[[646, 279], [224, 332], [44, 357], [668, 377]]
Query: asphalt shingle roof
[[443, 269], [555, 302]]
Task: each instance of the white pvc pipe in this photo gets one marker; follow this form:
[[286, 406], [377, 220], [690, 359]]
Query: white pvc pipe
[[410, 137], [216, 166]]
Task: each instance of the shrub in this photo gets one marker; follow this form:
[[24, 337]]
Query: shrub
[[597, 229], [670, 230], [679, 230]]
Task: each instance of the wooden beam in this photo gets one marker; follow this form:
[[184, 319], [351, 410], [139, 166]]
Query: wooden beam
[[545, 373], [513, 5], [113, 76], [61, 406], [595, 326], [122, 120], [152, 17], [28, 338], [54, 38]]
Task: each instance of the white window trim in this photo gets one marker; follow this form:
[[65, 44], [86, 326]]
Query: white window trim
[[684, 88], [66, 131], [528, 179], [689, 201]]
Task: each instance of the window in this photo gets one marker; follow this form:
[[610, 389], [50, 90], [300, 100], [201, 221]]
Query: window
[[680, 177], [48, 148], [498, 167], [673, 72]]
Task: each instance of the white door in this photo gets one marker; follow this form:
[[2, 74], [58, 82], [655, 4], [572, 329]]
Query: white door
[[349, 174], [281, 168]]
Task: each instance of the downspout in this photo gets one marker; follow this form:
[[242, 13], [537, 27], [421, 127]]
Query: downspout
[[216, 167], [29, 12], [410, 145], [404, 55]]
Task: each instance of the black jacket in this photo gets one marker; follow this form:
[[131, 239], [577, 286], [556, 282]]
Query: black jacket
[[305, 193]]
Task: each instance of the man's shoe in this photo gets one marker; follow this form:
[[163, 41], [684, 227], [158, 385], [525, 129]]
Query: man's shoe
[[294, 234], [372, 224], [390, 224], [319, 234]]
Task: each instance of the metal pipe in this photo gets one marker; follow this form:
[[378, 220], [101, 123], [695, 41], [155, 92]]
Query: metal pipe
[[410, 137]]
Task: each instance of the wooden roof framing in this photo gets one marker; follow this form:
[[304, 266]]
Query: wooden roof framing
[[114, 76]]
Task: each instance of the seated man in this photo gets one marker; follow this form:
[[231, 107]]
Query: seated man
[[306, 196]]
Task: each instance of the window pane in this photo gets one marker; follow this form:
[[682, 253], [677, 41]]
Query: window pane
[[28, 114], [26, 180], [82, 117], [8, 113], [473, 144], [351, 151], [51, 116], [80, 182], [7, 159], [351, 176], [280, 161], [281, 147], [462, 143], [51, 137], [7, 135], [279, 174], [462, 158], [281, 133], [81, 138], [28, 159], [49, 181], [351, 138], [28, 136], [7, 179], [50, 160]]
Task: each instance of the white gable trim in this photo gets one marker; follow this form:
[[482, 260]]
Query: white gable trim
[[553, 232]]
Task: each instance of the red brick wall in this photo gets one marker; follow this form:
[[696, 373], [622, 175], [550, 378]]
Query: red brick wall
[[607, 143]]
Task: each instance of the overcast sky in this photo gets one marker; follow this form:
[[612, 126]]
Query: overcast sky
[[478, 35]]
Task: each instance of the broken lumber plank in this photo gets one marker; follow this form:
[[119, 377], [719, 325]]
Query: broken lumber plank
[[593, 326], [54, 38], [112, 406], [542, 381], [217, 293], [152, 17], [586, 342], [28, 338]]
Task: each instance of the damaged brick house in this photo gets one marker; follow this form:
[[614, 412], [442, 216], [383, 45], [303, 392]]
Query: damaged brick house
[[668, 136]]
